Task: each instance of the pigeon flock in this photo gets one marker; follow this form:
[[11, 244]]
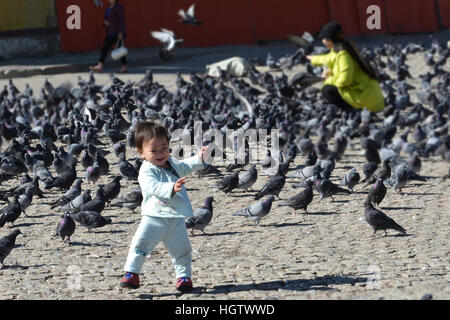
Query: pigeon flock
[[55, 144]]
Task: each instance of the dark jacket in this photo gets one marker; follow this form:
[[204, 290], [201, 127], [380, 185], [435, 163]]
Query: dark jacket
[[116, 18]]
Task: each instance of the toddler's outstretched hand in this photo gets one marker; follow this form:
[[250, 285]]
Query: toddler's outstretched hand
[[201, 152], [177, 186]]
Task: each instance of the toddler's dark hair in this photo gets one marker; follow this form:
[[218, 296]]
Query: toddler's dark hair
[[147, 130]]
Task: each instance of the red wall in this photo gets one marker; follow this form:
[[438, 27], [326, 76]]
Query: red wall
[[412, 16], [230, 22]]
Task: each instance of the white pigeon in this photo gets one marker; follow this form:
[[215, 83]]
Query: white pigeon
[[167, 37]]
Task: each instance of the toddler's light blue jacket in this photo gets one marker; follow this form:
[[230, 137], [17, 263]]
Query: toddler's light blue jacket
[[157, 184]]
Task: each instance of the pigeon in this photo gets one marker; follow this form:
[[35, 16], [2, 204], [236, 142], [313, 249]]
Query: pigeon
[[350, 179], [65, 180], [127, 170], [69, 195], [272, 187], [66, 227], [97, 204], [378, 220], [90, 219], [25, 200], [131, 200], [42, 172], [258, 210], [301, 200], [10, 212], [112, 189], [384, 173], [208, 169], [167, 38], [228, 183], [326, 188], [248, 178], [398, 179], [103, 164], [93, 173], [7, 244], [202, 216], [377, 193], [368, 169], [78, 202], [188, 17], [415, 163]]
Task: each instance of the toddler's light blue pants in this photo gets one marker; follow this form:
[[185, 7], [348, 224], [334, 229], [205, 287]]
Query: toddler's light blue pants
[[152, 230]]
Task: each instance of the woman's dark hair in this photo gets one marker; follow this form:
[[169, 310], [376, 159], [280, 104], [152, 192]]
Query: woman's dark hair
[[147, 130], [348, 46], [334, 32]]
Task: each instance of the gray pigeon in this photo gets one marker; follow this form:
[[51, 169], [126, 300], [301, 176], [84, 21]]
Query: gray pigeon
[[326, 188], [202, 216], [350, 179], [378, 220], [78, 202], [248, 178], [25, 200], [66, 227], [126, 169], [273, 187], [10, 212], [398, 179], [377, 193], [93, 173], [301, 200], [228, 183], [90, 219], [7, 244], [257, 210], [69, 195], [42, 172], [131, 200]]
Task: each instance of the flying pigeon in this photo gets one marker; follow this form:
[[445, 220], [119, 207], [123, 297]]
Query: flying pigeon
[[188, 17]]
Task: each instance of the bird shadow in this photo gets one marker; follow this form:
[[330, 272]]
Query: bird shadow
[[244, 195], [125, 222], [108, 231], [26, 224], [401, 208], [421, 194], [192, 189], [287, 224], [76, 243], [14, 267], [43, 215], [215, 234], [322, 213]]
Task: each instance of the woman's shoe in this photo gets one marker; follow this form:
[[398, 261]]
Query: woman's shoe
[[97, 68]]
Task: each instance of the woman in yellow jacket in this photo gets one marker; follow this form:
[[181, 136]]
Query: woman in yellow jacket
[[351, 83]]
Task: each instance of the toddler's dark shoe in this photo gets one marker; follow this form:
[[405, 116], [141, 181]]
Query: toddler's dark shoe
[[130, 280], [184, 284]]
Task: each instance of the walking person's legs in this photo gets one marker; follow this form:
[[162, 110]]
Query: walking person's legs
[[109, 40], [179, 247], [149, 233], [123, 60]]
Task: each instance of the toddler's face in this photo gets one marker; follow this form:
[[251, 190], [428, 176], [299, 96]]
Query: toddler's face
[[155, 151]]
